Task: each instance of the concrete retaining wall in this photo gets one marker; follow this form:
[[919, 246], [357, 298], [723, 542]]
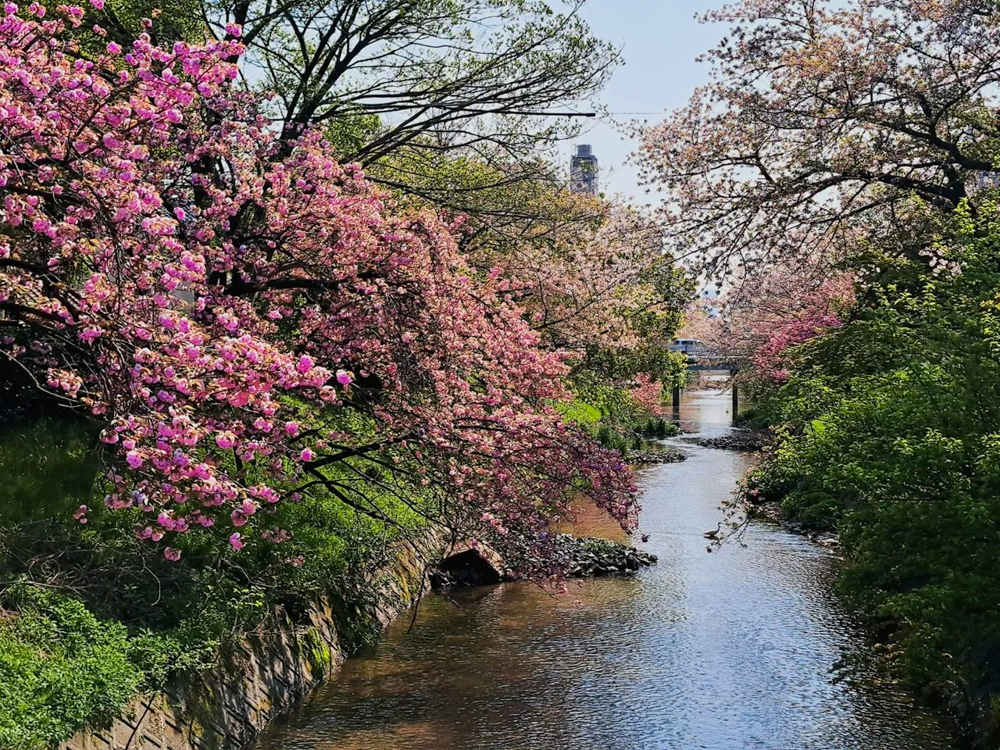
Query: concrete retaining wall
[[227, 706]]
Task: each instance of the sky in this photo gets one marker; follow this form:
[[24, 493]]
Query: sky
[[660, 41]]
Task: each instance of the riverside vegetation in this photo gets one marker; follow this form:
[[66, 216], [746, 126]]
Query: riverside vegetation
[[887, 433], [255, 334], [841, 168]]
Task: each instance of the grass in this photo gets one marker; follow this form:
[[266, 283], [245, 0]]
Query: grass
[[90, 617]]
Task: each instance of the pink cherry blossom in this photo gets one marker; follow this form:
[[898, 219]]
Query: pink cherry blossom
[[225, 439], [305, 364], [217, 324]]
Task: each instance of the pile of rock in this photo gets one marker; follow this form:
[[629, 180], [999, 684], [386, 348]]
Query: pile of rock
[[745, 441], [600, 557], [654, 457], [585, 557]]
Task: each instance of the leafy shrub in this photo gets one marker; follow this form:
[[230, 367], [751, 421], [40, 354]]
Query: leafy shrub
[[60, 667], [891, 434], [614, 417]]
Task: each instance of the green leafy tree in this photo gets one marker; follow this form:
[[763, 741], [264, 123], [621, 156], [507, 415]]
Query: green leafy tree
[[890, 433], [498, 78]]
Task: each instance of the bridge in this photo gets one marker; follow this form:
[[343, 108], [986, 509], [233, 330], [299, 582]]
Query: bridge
[[709, 362]]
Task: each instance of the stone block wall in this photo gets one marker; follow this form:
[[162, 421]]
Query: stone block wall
[[226, 707]]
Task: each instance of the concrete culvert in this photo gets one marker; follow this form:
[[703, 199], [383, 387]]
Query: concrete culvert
[[468, 568]]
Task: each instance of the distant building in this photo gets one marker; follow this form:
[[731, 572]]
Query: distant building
[[583, 171], [709, 303]]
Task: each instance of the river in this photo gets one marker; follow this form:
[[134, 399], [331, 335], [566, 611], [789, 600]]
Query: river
[[732, 650]]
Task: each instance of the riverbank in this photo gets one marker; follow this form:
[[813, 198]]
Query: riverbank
[[92, 616], [265, 673], [970, 719], [781, 490]]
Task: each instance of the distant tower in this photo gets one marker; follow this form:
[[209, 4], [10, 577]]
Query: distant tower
[[709, 302], [583, 171]]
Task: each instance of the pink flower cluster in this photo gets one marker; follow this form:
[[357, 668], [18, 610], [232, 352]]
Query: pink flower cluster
[[213, 303], [778, 308]]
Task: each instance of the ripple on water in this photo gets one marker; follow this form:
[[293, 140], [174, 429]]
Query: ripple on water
[[732, 650]]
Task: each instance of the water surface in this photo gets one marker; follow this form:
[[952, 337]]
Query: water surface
[[731, 650]]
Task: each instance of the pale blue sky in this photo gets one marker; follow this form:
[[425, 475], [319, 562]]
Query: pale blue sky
[[660, 40]]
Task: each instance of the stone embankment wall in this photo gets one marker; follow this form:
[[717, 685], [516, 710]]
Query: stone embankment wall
[[228, 706]]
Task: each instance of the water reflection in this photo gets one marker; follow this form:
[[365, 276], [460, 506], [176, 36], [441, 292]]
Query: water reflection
[[728, 650]]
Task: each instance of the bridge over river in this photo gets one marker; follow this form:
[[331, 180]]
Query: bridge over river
[[710, 362]]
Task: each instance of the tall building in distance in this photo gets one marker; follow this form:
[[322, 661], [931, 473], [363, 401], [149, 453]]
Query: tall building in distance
[[710, 302], [583, 171]]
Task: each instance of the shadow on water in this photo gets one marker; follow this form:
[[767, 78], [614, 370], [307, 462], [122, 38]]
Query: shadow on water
[[730, 650]]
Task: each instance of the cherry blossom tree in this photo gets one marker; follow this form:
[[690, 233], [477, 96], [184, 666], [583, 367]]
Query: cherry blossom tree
[[593, 276], [824, 120], [772, 311], [250, 321]]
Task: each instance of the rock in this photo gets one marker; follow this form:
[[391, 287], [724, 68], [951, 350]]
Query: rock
[[585, 557], [654, 457], [746, 441], [599, 557]]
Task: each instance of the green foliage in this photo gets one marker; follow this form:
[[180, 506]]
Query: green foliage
[[889, 430], [581, 413], [48, 469], [614, 417], [60, 667], [90, 616], [174, 20], [756, 417], [670, 368], [658, 427], [351, 130]]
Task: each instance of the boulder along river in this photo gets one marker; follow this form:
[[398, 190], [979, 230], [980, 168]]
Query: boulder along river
[[740, 648]]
